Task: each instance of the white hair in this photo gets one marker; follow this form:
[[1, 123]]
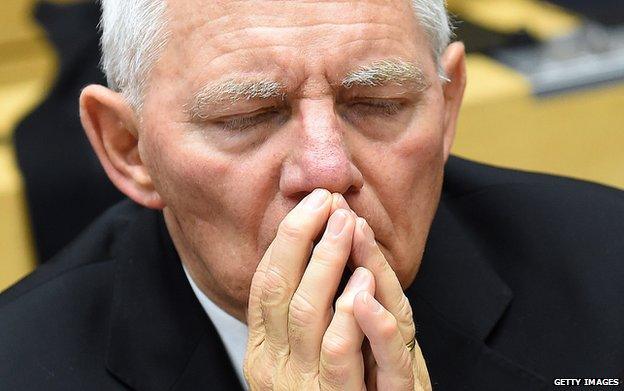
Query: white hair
[[435, 21], [134, 34]]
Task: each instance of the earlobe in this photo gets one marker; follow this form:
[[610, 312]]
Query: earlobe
[[110, 125], [454, 65]]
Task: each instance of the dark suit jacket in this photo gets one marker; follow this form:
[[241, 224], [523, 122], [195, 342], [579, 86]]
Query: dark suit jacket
[[521, 283]]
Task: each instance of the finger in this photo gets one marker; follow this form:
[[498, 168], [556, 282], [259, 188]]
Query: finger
[[366, 253], [280, 270], [341, 362], [255, 322], [311, 305], [339, 202], [370, 366], [394, 361]]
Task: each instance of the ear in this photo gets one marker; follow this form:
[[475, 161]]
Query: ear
[[111, 126], [454, 64]]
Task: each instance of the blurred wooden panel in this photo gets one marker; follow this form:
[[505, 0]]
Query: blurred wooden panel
[[16, 250], [27, 64], [27, 68], [578, 134], [539, 18], [16, 21]]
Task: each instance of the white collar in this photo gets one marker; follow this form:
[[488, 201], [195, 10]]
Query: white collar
[[233, 332]]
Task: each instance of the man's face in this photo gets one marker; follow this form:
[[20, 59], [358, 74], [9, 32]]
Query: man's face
[[254, 104]]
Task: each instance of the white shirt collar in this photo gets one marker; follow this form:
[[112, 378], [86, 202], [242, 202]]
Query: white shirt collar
[[233, 332]]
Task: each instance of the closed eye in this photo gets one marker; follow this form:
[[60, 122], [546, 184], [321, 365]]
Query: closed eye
[[383, 107], [239, 123]]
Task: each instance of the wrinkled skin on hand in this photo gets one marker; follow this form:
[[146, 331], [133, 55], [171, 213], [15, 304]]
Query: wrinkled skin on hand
[[298, 339]]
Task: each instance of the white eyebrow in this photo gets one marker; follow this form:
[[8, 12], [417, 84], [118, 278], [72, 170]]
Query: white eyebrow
[[384, 72], [231, 91]]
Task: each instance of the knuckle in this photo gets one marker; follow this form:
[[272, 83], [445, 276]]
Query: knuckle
[[383, 265], [388, 328], [404, 308], [405, 317], [301, 312], [333, 374], [344, 305], [258, 373], [377, 263], [298, 372], [322, 264], [255, 290], [334, 347], [329, 254], [291, 230], [275, 289]]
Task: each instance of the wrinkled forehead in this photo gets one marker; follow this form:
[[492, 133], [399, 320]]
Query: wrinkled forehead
[[295, 38], [194, 13]]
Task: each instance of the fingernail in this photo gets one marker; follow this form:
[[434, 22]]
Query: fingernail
[[372, 304], [368, 232], [315, 199], [359, 279], [337, 222]]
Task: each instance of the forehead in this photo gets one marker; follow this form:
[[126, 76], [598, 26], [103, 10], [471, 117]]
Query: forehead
[[292, 39]]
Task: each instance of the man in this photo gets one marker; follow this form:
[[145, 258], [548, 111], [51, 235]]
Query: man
[[271, 148]]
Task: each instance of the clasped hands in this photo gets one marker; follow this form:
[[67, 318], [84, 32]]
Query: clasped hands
[[298, 340]]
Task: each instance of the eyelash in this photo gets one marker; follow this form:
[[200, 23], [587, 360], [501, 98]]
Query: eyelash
[[375, 107], [241, 123], [364, 107]]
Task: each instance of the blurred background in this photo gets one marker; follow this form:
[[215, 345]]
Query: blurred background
[[545, 93]]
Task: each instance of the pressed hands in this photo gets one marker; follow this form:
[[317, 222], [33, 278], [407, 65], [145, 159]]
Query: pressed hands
[[298, 339]]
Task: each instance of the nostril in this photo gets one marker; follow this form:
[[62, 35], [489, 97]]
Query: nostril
[[353, 189]]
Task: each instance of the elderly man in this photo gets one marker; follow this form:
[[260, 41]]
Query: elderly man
[[276, 148]]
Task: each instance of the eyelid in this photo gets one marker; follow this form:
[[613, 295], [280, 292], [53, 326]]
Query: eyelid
[[379, 103], [244, 121], [246, 113], [384, 92]]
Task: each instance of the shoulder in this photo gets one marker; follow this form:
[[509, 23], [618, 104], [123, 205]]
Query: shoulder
[[537, 202], [93, 246], [566, 222], [557, 243], [54, 321], [468, 178]]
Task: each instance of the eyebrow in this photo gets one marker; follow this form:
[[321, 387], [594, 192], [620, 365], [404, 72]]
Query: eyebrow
[[232, 91], [386, 72], [377, 73]]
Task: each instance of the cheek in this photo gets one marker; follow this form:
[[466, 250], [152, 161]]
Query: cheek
[[416, 165], [419, 154], [203, 188], [210, 190], [180, 172]]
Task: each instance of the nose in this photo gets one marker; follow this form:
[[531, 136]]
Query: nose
[[319, 157]]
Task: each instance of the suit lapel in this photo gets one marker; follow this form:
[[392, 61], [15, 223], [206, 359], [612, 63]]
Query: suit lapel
[[458, 301], [159, 336]]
